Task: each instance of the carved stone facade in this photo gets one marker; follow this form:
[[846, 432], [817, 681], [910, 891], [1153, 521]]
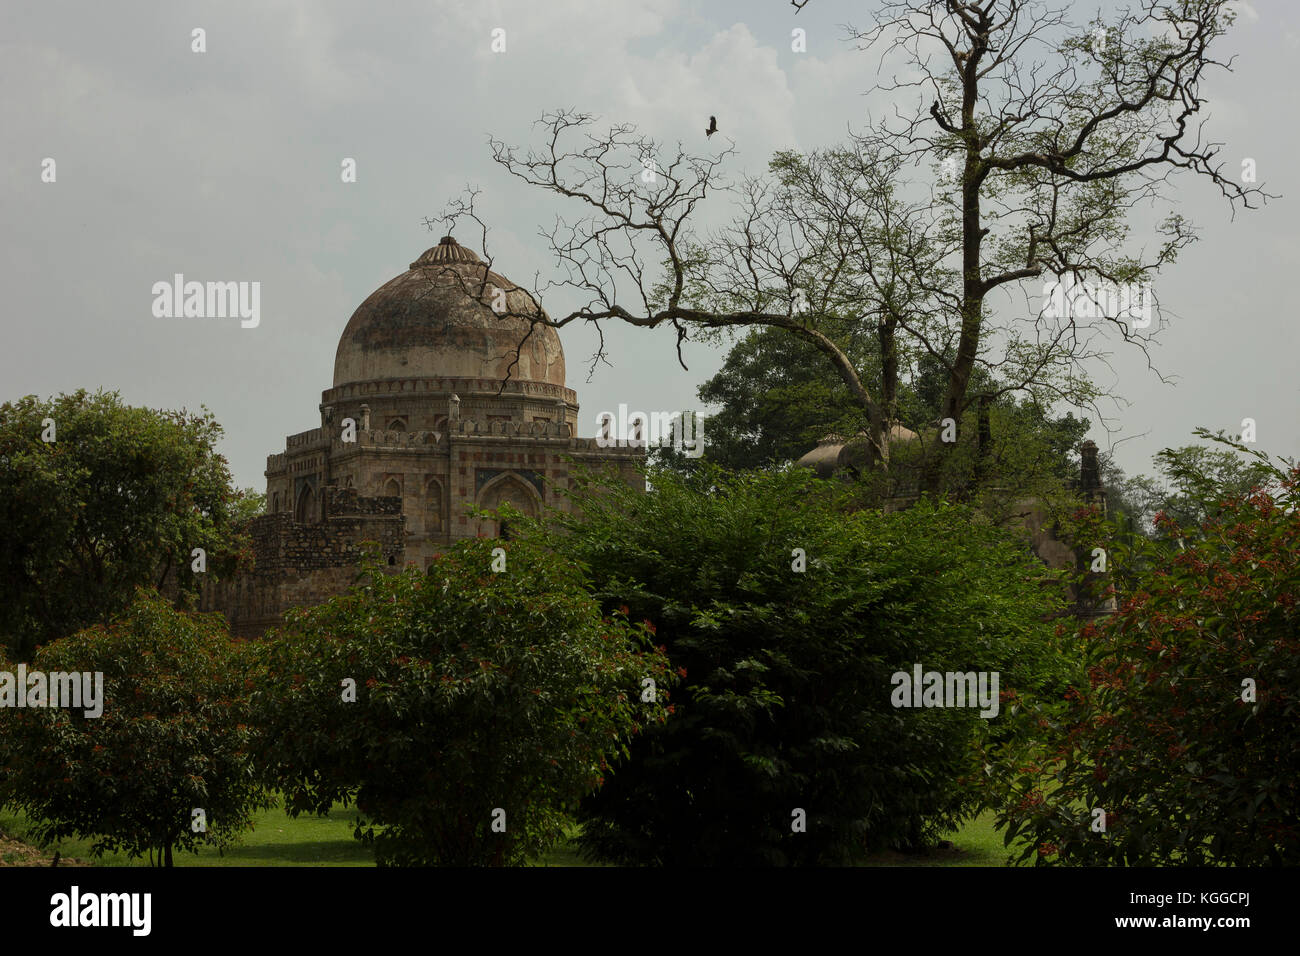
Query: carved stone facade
[[439, 403]]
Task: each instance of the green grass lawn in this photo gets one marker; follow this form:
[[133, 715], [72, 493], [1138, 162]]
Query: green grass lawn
[[279, 840], [975, 844], [275, 840]]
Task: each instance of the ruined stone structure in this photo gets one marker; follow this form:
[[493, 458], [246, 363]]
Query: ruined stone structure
[[438, 403]]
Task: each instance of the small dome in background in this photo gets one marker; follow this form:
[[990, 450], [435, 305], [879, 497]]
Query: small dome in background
[[835, 452]]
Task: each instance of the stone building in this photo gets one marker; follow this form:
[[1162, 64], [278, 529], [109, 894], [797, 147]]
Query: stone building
[[438, 403]]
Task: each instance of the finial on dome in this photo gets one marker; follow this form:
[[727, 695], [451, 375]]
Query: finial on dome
[[447, 250]]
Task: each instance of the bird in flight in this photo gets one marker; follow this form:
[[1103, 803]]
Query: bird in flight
[[713, 126]]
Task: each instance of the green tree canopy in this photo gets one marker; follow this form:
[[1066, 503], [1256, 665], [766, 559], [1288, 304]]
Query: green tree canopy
[[778, 399], [788, 659], [98, 498], [1191, 483], [1019, 142], [173, 736]]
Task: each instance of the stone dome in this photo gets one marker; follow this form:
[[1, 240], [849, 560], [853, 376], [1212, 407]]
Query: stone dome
[[855, 454], [431, 322]]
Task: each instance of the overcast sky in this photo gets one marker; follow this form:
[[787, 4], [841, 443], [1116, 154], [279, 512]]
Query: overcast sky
[[225, 165]]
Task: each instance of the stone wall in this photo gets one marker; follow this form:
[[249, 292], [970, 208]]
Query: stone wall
[[251, 606], [304, 564], [282, 544]]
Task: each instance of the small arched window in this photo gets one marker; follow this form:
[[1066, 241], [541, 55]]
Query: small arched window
[[393, 488], [397, 425]]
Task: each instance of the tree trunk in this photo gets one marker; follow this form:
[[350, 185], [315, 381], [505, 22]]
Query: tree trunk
[[984, 441], [972, 234]]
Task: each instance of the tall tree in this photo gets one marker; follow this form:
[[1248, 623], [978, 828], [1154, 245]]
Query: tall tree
[[1037, 136]]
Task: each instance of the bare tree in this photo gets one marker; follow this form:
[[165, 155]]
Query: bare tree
[[1039, 138]]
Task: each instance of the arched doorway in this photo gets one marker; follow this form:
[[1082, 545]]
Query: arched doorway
[[305, 510], [508, 489]]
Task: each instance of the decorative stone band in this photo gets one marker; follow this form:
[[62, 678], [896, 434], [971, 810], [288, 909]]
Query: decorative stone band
[[465, 387], [321, 438]]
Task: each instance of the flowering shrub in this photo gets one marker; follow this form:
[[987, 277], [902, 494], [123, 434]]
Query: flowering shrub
[[1182, 725]]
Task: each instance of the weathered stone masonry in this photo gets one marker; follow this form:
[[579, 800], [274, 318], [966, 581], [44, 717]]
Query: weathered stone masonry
[[418, 383]]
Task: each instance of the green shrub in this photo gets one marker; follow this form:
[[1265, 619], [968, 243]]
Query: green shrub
[[786, 700], [475, 692]]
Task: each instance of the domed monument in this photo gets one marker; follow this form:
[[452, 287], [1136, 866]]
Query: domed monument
[[445, 396]]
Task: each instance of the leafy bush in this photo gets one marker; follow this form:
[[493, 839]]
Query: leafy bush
[[173, 736], [786, 700], [1158, 731], [475, 691]]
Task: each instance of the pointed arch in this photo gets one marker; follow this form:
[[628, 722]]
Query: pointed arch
[[305, 510], [508, 488]]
